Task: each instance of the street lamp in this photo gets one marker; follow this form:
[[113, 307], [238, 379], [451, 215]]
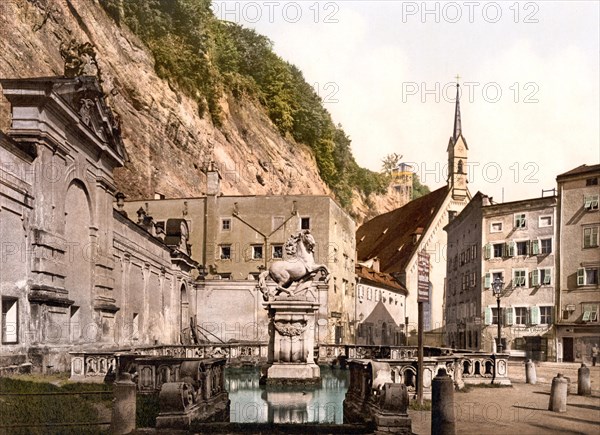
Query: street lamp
[[497, 289]]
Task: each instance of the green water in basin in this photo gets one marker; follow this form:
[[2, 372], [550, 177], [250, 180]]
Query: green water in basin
[[254, 403]]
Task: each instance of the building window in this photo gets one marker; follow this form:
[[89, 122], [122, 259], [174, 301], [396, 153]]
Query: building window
[[590, 312], [591, 202], [369, 293], [305, 223], [344, 287], [590, 237], [451, 215], [495, 315], [545, 277], [523, 248], [10, 333], [520, 316], [545, 221], [257, 252], [587, 276], [491, 277], [225, 252], [520, 221], [473, 252], [591, 181], [277, 251], [496, 227], [519, 278], [225, 224], [546, 246], [545, 315], [497, 250], [377, 295]]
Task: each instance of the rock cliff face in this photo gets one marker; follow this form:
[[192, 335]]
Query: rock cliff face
[[166, 140]]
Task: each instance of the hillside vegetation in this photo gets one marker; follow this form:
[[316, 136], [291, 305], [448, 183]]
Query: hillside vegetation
[[206, 57]]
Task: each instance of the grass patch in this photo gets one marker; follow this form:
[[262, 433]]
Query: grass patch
[[42, 410], [415, 406], [147, 409]]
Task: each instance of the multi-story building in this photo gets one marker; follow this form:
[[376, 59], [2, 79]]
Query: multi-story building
[[74, 273], [380, 301], [396, 238], [578, 295], [236, 237], [514, 242]]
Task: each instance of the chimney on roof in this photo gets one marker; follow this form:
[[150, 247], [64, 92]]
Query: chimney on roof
[[375, 266]]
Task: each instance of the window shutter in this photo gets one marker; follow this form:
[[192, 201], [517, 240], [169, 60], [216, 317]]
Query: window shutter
[[581, 276], [509, 316], [488, 316], [511, 249], [528, 247], [488, 251], [535, 247], [487, 281], [534, 315], [547, 277], [535, 278]]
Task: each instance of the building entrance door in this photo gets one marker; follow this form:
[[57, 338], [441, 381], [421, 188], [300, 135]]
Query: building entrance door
[[568, 354]]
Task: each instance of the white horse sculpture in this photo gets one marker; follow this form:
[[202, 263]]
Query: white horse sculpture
[[300, 267]]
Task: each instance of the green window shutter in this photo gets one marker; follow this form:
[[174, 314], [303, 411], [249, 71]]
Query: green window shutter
[[581, 276], [488, 316], [534, 315], [487, 282], [509, 315], [535, 247], [510, 249], [528, 247], [488, 251], [535, 278]]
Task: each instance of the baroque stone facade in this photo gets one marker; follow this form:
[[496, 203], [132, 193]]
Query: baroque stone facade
[[74, 272]]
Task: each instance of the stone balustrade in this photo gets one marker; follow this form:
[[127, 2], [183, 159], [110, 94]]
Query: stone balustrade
[[92, 366], [463, 368], [328, 353]]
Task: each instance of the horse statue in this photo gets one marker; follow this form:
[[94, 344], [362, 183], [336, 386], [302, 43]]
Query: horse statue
[[300, 267]]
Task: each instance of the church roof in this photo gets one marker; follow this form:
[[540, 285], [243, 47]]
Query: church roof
[[391, 236]]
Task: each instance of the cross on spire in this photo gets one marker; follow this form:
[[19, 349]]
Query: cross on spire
[[457, 77]]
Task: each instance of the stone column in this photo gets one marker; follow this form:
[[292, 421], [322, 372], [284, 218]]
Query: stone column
[[530, 375], [584, 386], [124, 407], [291, 341], [558, 394], [442, 405]]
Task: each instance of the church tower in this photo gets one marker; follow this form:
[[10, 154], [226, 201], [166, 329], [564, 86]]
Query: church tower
[[457, 156]]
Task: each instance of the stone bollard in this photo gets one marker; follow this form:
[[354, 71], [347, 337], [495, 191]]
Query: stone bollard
[[442, 405], [124, 407], [558, 394], [530, 376], [584, 386]]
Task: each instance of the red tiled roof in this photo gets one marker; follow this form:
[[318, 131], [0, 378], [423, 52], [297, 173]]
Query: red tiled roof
[[390, 236], [382, 278], [580, 170]]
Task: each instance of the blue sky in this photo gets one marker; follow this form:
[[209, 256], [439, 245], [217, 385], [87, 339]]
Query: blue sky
[[385, 69]]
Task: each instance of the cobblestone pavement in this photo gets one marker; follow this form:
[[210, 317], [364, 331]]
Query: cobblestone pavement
[[523, 409]]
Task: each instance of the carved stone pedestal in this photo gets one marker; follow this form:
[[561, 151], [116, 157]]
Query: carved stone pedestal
[[291, 341]]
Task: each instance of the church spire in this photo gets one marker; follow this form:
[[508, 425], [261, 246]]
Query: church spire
[[457, 125]]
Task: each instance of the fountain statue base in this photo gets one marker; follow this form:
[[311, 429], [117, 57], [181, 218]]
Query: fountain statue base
[[291, 341]]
